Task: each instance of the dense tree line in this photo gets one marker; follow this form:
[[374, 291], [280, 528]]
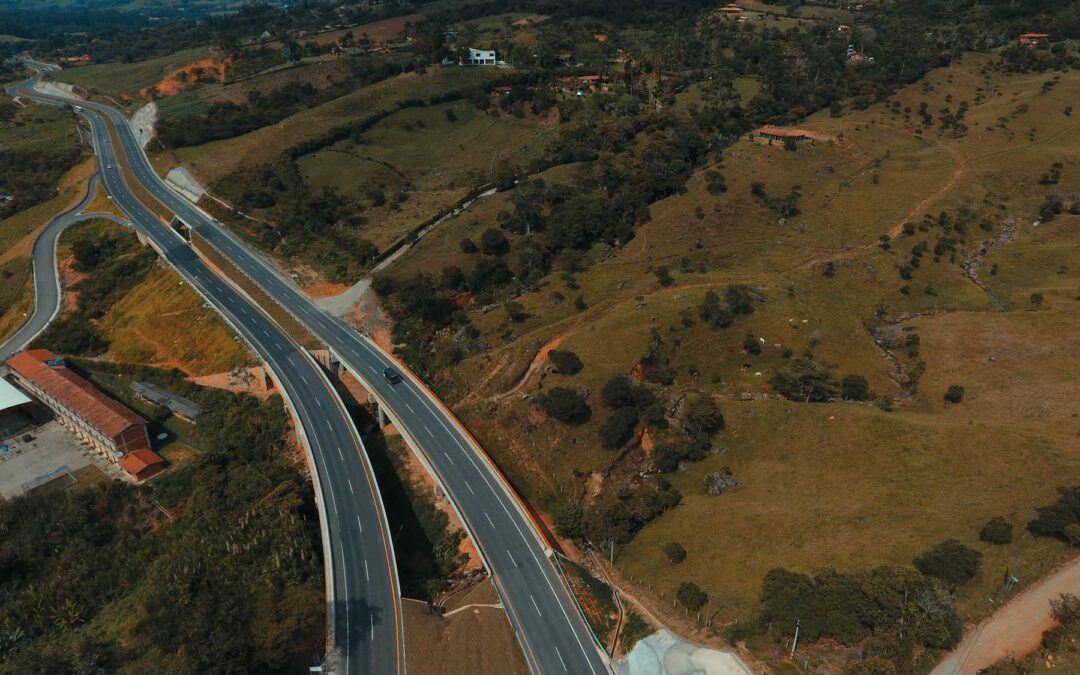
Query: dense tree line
[[98, 580], [30, 176]]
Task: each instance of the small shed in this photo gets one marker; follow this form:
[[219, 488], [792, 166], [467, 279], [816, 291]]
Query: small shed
[[184, 408]]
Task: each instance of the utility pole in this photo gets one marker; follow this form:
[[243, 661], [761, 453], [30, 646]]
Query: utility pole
[[795, 643]]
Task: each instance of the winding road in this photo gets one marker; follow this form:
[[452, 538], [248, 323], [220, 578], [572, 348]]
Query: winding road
[[550, 629], [365, 621]]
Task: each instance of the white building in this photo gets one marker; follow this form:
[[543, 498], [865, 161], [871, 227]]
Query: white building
[[479, 57]]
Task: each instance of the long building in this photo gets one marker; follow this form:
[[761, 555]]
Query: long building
[[113, 430]]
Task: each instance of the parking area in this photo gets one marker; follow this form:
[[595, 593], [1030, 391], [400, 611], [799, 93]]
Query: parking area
[[52, 456]]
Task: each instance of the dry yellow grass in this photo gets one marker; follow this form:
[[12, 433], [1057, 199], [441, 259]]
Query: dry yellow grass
[[162, 322], [102, 204]]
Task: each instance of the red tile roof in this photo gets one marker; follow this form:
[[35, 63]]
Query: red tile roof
[[136, 463], [102, 412], [783, 132]]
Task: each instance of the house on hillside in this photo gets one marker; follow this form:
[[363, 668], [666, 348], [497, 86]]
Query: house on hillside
[[75, 61], [1033, 38], [770, 134], [479, 57], [730, 12]]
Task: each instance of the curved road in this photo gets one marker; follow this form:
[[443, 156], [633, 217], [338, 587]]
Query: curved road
[[549, 626], [46, 281], [363, 590]]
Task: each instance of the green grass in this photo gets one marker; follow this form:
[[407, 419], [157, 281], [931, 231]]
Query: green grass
[[841, 485], [214, 160], [126, 79], [184, 103]]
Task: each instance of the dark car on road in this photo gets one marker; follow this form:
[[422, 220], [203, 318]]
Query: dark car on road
[[391, 376]]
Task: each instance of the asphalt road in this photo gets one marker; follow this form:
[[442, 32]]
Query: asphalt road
[[549, 626], [46, 283], [364, 593]]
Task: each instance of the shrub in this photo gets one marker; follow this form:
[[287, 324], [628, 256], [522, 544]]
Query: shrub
[[997, 531], [565, 405], [467, 246], [620, 392], [565, 362], [855, 388], [690, 596], [663, 276], [515, 311], [714, 312], [954, 394], [950, 561], [618, 429], [674, 552], [751, 344]]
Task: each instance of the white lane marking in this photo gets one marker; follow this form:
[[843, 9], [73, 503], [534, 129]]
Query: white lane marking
[[358, 523], [429, 431], [410, 407], [489, 520], [304, 378], [373, 626], [448, 457], [349, 481], [367, 575], [468, 486], [329, 426], [340, 454], [319, 402], [559, 654], [345, 579], [536, 606], [511, 556]]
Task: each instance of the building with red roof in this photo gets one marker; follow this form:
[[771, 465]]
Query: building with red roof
[[142, 464], [1033, 38], [107, 425]]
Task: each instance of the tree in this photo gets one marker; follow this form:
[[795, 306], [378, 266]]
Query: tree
[[565, 405], [618, 428], [494, 242], [691, 596], [804, 380], [950, 561], [1037, 300], [568, 520], [954, 394], [752, 344], [997, 531], [714, 312], [702, 418], [739, 298], [565, 362], [467, 246], [663, 276], [1053, 520], [854, 388], [674, 552], [1072, 533], [620, 392], [515, 311]]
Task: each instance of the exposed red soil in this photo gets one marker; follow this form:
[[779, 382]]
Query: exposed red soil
[[185, 78]]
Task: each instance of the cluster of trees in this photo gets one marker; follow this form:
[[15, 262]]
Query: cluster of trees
[[629, 403], [617, 515], [894, 609], [114, 262], [30, 176], [96, 580], [737, 300], [1060, 519]]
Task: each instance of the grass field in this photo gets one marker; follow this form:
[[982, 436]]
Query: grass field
[[421, 153], [214, 160], [842, 485], [126, 79]]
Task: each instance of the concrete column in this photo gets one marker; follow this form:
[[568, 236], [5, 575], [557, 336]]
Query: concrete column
[[383, 419]]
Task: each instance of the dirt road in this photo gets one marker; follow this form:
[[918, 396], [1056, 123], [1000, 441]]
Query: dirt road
[[1014, 630]]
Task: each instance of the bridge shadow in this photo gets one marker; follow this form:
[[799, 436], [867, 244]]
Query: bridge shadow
[[356, 620]]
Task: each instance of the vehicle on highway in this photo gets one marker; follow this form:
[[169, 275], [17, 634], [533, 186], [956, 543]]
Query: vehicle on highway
[[391, 376]]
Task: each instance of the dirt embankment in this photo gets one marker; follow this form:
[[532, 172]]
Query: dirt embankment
[[182, 79]]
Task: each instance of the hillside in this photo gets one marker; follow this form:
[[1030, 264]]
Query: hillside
[[844, 485]]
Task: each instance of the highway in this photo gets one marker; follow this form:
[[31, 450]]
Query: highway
[[46, 281], [362, 583], [548, 625]]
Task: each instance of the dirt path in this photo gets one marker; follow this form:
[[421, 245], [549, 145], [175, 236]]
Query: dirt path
[[1014, 630]]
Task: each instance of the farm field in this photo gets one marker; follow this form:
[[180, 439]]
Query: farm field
[[841, 485]]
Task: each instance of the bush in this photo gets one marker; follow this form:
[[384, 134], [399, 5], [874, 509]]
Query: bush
[[954, 394], [997, 531], [690, 596], [621, 392], [494, 242], [565, 362], [714, 312], [674, 552], [950, 561], [467, 246], [619, 428], [663, 276], [565, 405], [855, 388], [568, 520], [803, 380], [752, 345]]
